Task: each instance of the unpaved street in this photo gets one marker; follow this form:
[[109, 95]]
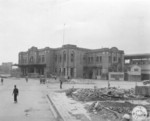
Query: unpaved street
[[32, 101]]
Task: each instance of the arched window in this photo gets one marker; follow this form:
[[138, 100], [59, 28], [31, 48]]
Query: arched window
[[39, 59], [31, 59], [72, 56], [43, 58], [64, 56], [97, 58], [55, 58], [60, 58]]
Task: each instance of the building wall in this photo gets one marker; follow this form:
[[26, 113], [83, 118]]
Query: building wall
[[6, 68], [71, 61], [134, 73], [141, 60], [101, 62]]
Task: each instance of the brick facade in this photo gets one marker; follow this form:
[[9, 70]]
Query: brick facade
[[71, 61]]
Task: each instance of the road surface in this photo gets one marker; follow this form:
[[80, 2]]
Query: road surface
[[32, 101]]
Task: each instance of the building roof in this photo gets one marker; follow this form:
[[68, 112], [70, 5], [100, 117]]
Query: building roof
[[137, 56]]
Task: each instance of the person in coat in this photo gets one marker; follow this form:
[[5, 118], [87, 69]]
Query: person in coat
[[15, 93]]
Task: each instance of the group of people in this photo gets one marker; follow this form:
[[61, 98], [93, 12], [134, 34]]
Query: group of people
[[16, 90]]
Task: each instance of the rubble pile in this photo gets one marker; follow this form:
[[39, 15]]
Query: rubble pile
[[70, 91], [118, 107], [111, 110], [101, 94]]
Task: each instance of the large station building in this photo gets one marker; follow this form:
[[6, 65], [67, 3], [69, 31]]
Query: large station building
[[71, 61]]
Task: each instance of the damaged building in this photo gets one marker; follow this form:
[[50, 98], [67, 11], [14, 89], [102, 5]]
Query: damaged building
[[71, 61]]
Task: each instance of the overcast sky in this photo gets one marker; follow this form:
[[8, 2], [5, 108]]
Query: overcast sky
[[91, 24]]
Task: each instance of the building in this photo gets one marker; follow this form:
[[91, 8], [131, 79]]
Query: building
[[71, 61], [141, 60], [98, 63], [6, 68], [133, 73]]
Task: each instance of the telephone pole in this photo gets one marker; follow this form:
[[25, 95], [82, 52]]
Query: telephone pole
[[64, 33]]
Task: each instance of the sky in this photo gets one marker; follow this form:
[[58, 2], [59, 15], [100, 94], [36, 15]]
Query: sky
[[92, 24]]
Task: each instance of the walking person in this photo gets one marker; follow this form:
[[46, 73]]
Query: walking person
[[26, 78], [2, 81], [61, 82], [61, 79], [15, 93]]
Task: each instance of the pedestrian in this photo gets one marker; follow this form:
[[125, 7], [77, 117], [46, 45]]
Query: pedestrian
[[61, 82], [26, 78], [61, 79], [2, 81], [15, 93]]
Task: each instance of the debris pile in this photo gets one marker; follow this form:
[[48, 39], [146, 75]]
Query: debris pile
[[111, 110], [101, 94], [118, 107], [70, 91]]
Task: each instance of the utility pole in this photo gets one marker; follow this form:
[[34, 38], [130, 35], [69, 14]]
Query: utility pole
[[64, 33]]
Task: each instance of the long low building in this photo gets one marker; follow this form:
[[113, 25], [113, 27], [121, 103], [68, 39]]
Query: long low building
[[71, 61], [142, 60]]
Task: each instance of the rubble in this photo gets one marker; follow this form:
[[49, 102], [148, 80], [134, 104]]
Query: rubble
[[110, 103], [119, 107], [112, 110], [101, 94]]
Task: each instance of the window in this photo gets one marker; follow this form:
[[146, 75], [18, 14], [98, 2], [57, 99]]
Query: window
[[43, 58], [114, 58], [72, 57], [119, 60], [31, 59], [39, 59], [84, 59], [55, 70], [55, 58], [64, 56], [91, 59], [97, 59], [100, 59], [60, 58], [110, 59]]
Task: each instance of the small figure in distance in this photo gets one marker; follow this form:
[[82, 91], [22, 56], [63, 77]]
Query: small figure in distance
[[26, 78], [15, 93], [61, 79], [2, 80]]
